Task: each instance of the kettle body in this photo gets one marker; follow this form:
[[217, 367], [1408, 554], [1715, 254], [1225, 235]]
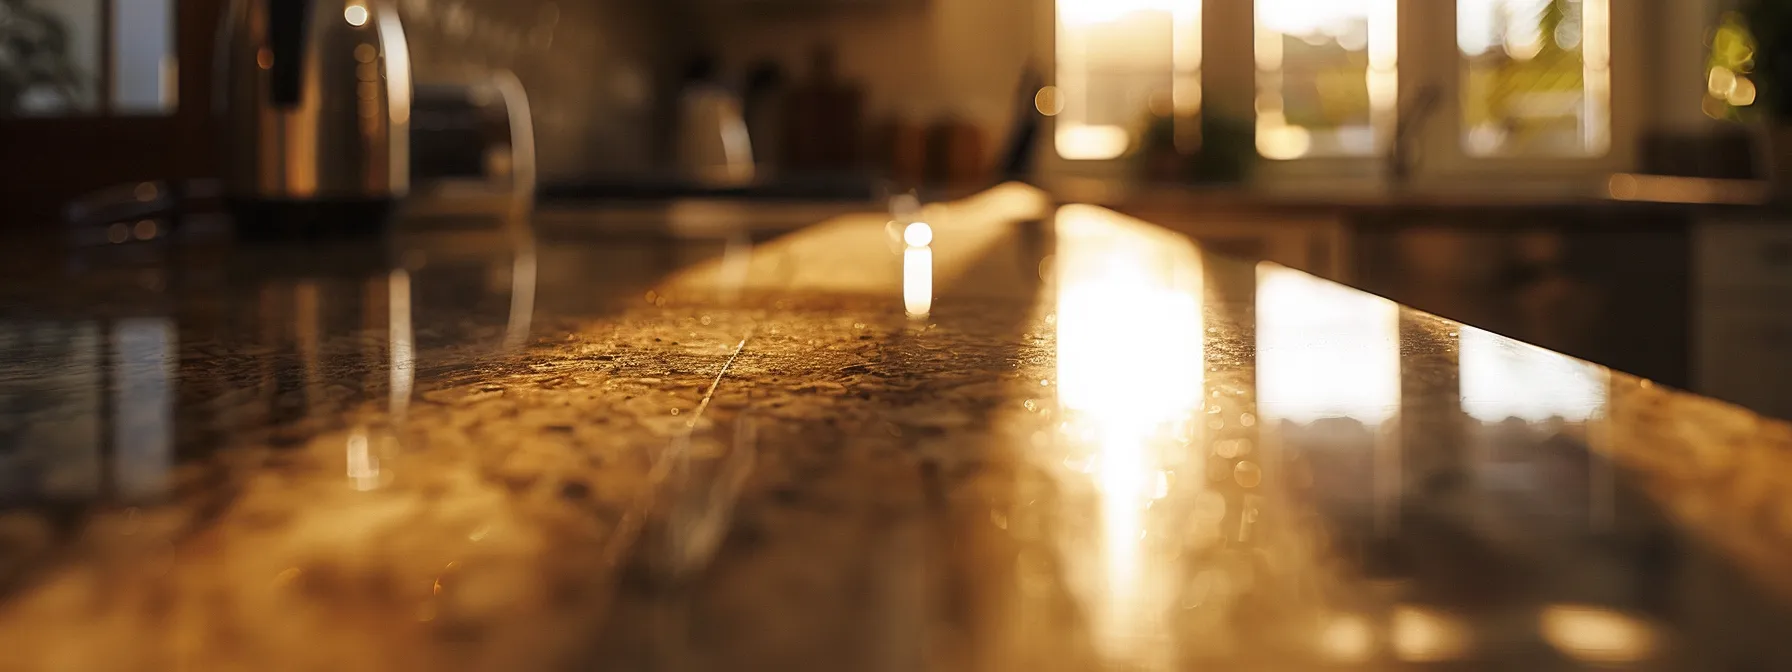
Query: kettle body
[[314, 100], [713, 144]]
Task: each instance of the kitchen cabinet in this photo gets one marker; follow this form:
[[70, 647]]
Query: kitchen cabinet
[[1610, 285], [1315, 243], [1743, 311]]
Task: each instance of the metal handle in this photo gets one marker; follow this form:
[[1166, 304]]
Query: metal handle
[[287, 24]]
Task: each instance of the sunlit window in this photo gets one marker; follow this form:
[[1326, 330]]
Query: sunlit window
[[1121, 62], [85, 57], [1326, 82], [1536, 78]]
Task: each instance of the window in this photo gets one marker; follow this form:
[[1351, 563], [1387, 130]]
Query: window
[[86, 57], [1326, 81], [1536, 77], [1121, 62], [1523, 79]]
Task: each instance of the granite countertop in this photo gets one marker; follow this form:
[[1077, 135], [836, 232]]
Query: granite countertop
[[1049, 439]]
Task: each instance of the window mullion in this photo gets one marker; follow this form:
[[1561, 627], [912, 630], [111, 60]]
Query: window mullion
[[1430, 62], [108, 57]]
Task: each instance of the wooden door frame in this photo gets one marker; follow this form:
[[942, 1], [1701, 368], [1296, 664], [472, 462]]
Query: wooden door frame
[[46, 162]]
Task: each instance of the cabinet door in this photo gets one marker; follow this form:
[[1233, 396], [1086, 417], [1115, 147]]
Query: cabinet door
[[1313, 243], [105, 92], [1607, 285], [1743, 276], [1741, 355], [1741, 257]]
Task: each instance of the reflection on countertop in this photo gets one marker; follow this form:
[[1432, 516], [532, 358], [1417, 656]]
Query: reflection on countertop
[[984, 435]]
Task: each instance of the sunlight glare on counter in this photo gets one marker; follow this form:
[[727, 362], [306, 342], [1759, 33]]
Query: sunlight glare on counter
[[917, 270], [1324, 350], [1597, 635], [1327, 352], [523, 274], [917, 281], [402, 343], [1503, 378], [1421, 635], [363, 466], [1129, 378], [1347, 638]]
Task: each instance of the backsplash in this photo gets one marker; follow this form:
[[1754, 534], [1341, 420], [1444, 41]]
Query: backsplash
[[601, 74], [590, 68], [917, 61]]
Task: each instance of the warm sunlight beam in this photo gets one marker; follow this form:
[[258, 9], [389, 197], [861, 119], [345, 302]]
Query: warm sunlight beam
[[1129, 380]]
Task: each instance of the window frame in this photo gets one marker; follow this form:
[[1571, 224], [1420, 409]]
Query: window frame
[[1444, 141], [105, 100], [46, 161], [1228, 76]]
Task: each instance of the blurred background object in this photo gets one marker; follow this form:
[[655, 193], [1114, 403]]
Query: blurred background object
[[1539, 90], [39, 75], [955, 149], [473, 145], [822, 127], [713, 146], [1030, 111], [1537, 77], [314, 110], [1223, 152], [1752, 63], [764, 102]]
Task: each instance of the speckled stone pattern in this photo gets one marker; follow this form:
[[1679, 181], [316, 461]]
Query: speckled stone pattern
[[1034, 438]]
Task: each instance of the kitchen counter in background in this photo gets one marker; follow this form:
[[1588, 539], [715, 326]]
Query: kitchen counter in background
[[1042, 439], [1580, 268]]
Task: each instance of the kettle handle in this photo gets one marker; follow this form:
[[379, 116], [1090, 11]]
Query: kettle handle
[[287, 24]]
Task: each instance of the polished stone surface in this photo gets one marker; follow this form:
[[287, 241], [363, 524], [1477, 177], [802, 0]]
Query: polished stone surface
[[1032, 439]]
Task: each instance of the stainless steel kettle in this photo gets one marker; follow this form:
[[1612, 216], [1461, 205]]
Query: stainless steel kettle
[[315, 102]]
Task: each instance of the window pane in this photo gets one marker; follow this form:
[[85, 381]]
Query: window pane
[[49, 57], [143, 67], [1325, 76], [1121, 63], [1537, 78]]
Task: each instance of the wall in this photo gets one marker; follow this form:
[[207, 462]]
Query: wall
[[918, 61], [1680, 35], [590, 68]]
